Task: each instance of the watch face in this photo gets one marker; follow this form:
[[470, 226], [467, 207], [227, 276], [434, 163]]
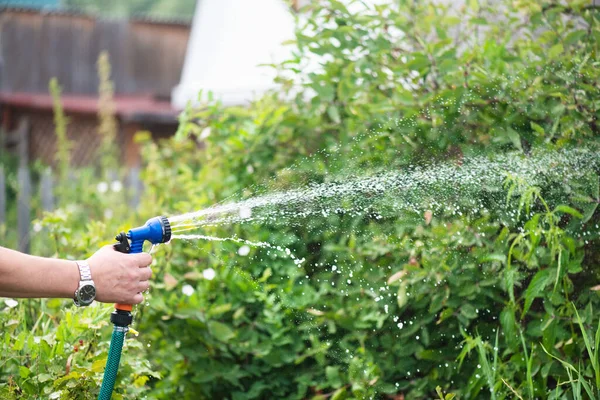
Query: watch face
[[87, 293]]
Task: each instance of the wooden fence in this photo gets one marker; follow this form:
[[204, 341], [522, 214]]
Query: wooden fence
[[45, 190], [147, 56]]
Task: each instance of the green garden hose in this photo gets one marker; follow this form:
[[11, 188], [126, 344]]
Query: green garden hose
[[112, 363]]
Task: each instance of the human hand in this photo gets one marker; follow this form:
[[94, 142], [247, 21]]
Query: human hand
[[120, 278]]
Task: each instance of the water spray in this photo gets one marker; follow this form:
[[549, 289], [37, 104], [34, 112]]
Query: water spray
[[156, 230], [417, 189]]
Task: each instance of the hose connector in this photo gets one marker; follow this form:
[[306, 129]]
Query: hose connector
[[121, 318]]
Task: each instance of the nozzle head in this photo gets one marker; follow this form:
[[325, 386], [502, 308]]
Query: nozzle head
[[156, 230]]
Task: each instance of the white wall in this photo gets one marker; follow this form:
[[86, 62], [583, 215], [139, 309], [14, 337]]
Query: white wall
[[229, 39]]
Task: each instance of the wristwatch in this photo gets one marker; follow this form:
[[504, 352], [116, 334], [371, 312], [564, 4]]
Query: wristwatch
[[86, 292]]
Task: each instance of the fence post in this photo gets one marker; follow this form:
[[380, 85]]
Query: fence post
[[2, 186], [24, 208], [2, 201], [24, 181], [46, 190], [135, 187]]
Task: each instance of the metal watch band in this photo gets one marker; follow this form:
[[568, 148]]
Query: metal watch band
[[84, 270]]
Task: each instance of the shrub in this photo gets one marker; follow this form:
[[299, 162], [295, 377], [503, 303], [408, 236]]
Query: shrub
[[480, 296]]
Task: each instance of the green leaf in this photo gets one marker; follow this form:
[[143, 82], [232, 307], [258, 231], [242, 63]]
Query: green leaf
[[537, 128], [99, 365], [589, 212], [418, 62], [44, 378], [239, 313], [479, 21], [402, 298], [397, 276], [140, 381], [535, 288], [334, 114], [555, 51], [267, 273], [439, 392], [574, 37], [591, 348], [508, 322], [445, 314], [499, 257], [220, 309], [515, 138], [469, 311], [333, 376], [20, 342], [568, 210], [339, 394], [220, 331], [24, 372]]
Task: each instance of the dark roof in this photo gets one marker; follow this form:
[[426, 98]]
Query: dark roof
[[128, 108], [79, 12], [31, 4]]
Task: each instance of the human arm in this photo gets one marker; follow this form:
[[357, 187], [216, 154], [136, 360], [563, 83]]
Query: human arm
[[119, 278]]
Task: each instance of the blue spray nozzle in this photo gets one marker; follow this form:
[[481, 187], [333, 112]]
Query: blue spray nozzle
[[156, 230]]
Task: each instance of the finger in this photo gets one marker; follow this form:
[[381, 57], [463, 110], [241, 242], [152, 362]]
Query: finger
[[142, 259], [145, 274], [137, 299], [144, 285]]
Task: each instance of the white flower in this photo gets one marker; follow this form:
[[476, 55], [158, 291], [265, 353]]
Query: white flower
[[205, 133], [188, 290], [37, 227], [11, 303], [116, 186], [108, 213], [245, 212], [244, 250], [102, 187], [250, 168], [209, 274]]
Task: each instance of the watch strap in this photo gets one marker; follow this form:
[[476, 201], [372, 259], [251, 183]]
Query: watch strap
[[85, 273]]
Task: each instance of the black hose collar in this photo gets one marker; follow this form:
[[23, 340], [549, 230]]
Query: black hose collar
[[121, 318]]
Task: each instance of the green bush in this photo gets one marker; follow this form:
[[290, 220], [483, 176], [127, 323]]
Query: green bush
[[497, 303]]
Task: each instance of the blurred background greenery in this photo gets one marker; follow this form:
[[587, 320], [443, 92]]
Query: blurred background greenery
[[477, 306]]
